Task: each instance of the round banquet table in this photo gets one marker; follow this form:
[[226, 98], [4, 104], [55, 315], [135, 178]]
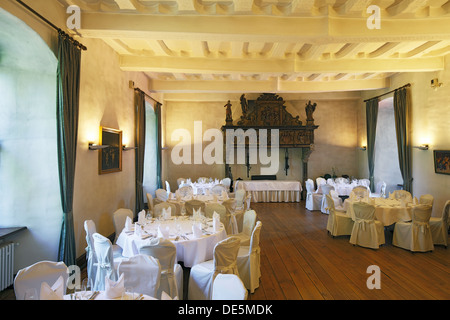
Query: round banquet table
[[388, 211], [190, 250], [101, 295]]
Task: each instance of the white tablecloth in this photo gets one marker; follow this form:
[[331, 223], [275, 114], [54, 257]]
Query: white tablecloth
[[84, 295], [272, 190], [190, 250], [388, 211]]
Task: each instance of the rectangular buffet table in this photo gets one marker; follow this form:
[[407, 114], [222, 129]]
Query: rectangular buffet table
[[272, 190]]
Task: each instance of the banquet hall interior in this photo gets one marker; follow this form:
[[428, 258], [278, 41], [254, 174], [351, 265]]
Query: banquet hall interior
[[113, 107]]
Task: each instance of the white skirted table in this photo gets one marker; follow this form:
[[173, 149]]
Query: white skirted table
[[272, 190]]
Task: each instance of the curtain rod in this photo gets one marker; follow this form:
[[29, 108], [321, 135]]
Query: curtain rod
[[52, 25], [137, 89], [406, 85]]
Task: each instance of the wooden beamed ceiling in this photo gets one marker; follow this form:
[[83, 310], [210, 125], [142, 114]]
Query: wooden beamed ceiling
[[269, 45]]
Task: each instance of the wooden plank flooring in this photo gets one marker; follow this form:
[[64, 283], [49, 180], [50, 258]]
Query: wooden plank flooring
[[300, 260]]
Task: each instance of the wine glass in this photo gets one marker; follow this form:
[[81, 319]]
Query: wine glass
[[31, 294], [86, 286], [128, 294]]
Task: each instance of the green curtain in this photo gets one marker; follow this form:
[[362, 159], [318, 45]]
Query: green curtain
[[139, 99], [68, 88], [402, 127], [371, 124], [158, 157]]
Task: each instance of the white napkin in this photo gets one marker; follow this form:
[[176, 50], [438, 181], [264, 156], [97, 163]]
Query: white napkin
[[196, 214], [141, 217], [138, 230], [197, 230], [166, 213], [114, 289], [165, 296], [128, 224], [55, 292], [163, 232], [216, 221]]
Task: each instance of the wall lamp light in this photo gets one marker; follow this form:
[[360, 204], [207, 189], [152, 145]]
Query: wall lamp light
[[125, 148], [363, 148], [93, 146], [422, 147]]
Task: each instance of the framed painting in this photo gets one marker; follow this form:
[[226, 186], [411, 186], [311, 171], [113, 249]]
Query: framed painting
[[110, 158], [442, 161]]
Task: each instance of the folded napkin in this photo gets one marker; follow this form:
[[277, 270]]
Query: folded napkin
[[163, 232], [114, 289], [138, 230], [165, 296], [197, 230], [216, 221], [167, 213], [128, 224], [141, 217], [55, 292]]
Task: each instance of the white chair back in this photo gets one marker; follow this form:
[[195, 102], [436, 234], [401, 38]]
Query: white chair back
[[249, 222], [228, 287], [194, 204], [186, 191], [105, 261], [166, 253], [320, 181], [158, 209], [402, 195], [364, 182], [210, 208], [239, 197], [225, 256], [218, 189], [142, 273], [91, 257], [161, 195], [359, 192], [167, 187], [119, 218], [426, 199], [227, 183], [33, 276]]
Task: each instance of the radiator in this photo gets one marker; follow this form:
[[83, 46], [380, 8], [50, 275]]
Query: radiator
[[6, 265]]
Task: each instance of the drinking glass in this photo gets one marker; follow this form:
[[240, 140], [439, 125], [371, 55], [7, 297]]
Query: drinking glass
[[31, 294], [86, 286]]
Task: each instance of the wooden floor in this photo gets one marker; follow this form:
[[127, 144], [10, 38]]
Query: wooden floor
[[299, 260]]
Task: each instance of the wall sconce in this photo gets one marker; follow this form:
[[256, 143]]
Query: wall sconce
[[435, 83], [422, 147], [96, 146], [363, 148], [125, 148]]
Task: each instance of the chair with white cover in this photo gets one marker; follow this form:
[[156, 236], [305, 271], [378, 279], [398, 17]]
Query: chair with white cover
[[227, 183], [203, 274], [248, 201], [249, 261], [171, 281], [380, 190], [119, 218], [158, 209], [212, 207], [313, 199], [249, 223], [91, 257], [218, 189], [150, 203], [320, 181], [228, 287], [439, 226], [32, 277], [233, 218], [367, 232], [185, 191], [161, 195], [106, 264], [142, 273], [239, 196], [326, 191], [338, 224], [194, 204], [180, 181], [416, 234], [426, 199], [401, 195], [364, 182]]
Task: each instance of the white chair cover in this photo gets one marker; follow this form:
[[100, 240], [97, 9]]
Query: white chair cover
[[161, 195], [203, 274], [367, 232], [91, 257], [380, 190], [105, 261], [248, 200], [338, 224], [415, 235], [248, 225], [232, 217], [228, 287], [239, 196], [426, 199], [401, 195], [320, 181], [150, 202], [218, 189], [249, 261], [119, 218], [33, 276], [142, 273], [359, 192], [313, 199], [210, 208], [439, 226], [167, 187], [186, 191], [158, 209], [326, 190], [227, 183], [171, 272]]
